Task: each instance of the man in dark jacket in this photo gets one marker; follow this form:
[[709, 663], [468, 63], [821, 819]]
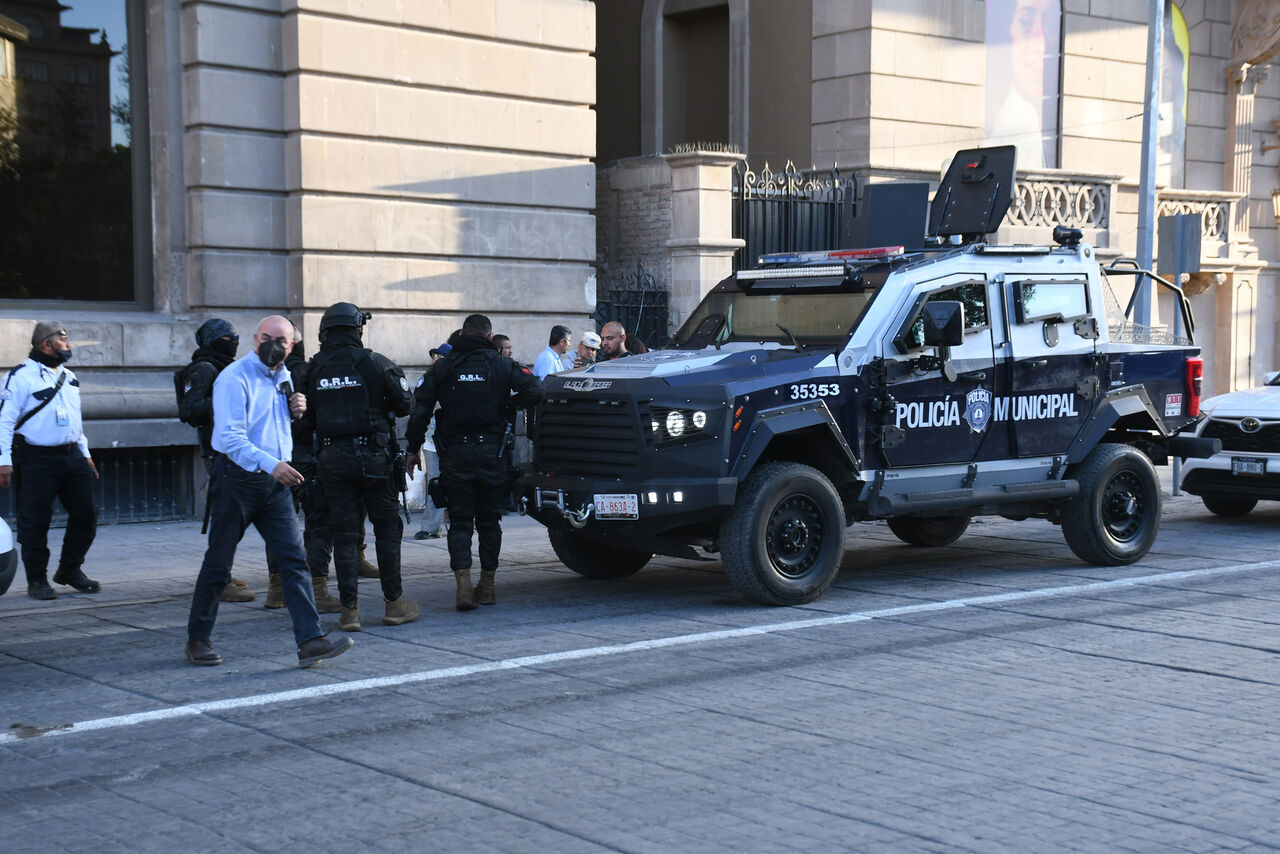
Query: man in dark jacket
[[216, 343], [354, 396], [476, 388]]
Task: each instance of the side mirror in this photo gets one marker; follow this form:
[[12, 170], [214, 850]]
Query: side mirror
[[943, 323]]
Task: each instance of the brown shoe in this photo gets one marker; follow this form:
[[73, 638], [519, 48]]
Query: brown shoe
[[231, 593], [400, 611], [201, 652], [318, 649], [326, 602], [275, 592], [484, 590], [465, 600], [235, 582]]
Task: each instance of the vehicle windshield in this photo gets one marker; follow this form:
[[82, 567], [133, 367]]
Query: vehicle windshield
[[729, 316]]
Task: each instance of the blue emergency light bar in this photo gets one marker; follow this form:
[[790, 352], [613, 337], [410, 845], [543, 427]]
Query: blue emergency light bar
[[832, 255]]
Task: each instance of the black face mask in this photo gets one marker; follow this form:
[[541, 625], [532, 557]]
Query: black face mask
[[225, 347], [62, 356], [271, 353]]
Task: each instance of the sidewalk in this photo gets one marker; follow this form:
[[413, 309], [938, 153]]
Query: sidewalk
[[151, 562]]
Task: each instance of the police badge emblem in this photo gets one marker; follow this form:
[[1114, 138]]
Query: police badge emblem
[[977, 409]]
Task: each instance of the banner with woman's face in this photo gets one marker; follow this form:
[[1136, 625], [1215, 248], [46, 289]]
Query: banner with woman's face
[[1024, 63]]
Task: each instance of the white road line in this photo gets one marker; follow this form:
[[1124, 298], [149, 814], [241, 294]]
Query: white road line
[[337, 688]]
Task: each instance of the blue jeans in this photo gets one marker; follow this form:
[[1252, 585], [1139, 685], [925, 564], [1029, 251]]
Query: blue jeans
[[238, 499]]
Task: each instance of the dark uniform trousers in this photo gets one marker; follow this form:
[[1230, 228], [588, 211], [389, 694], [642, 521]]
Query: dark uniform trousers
[[475, 478], [39, 475], [355, 477]]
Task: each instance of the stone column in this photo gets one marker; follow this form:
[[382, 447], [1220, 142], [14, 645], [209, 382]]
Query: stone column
[[702, 243], [1242, 79]]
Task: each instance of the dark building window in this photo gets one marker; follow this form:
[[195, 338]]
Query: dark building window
[[67, 184]]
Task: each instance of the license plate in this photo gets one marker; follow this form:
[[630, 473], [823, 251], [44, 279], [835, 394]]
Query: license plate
[[1249, 466], [617, 506]]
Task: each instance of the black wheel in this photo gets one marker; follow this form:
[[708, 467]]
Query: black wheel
[[1229, 505], [784, 538], [928, 530], [1115, 518], [592, 559]]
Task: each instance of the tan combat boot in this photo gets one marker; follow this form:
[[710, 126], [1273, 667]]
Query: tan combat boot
[[326, 602], [275, 592], [231, 593], [400, 611], [366, 569], [466, 596], [484, 590], [350, 619]]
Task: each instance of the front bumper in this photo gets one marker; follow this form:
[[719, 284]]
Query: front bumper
[[673, 513]]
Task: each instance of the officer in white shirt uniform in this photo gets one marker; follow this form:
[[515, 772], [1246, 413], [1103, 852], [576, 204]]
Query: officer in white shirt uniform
[[43, 453]]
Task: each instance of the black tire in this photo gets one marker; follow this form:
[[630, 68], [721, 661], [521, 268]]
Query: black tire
[[928, 530], [1228, 505], [592, 559], [8, 569], [1115, 518], [783, 541]]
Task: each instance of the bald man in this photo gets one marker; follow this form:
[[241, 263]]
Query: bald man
[[253, 408]]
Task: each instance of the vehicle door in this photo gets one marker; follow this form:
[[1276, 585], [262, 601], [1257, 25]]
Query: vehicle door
[[1053, 336], [928, 419]]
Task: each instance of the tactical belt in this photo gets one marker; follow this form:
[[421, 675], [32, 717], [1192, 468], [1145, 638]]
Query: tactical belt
[[356, 441], [475, 439]]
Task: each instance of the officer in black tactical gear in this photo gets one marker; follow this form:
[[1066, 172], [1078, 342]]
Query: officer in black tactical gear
[[476, 388], [216, 344], [354, 396]]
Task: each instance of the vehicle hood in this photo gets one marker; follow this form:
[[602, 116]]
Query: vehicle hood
[[1260, 402], [678, 366]]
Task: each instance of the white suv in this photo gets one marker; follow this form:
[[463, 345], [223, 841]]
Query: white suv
[[1247, 469]]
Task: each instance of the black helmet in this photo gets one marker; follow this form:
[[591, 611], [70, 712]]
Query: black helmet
[[342, 314]]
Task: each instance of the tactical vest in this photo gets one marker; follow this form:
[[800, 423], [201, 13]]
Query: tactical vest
[[345, 389], [475, 393]]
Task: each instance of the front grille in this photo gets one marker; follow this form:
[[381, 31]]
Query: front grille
[[590, 437], [1264, 441]]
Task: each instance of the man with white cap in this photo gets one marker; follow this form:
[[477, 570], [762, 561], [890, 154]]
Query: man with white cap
[[587, 347], [44, 453]]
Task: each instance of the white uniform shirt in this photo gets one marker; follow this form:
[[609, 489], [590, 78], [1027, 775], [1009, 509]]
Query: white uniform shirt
[[57, 424]]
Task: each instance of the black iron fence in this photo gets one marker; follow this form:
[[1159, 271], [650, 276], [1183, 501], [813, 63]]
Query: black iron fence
[[641, 305], [788, 211], [136, 485]]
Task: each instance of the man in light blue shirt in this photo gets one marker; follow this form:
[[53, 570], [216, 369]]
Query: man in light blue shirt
[[253, 407], [551, 360]]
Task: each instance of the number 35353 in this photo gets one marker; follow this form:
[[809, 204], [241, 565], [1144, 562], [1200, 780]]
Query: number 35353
[[807, 391]]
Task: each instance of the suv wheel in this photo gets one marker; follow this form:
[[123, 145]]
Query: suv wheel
[[1115, 518], [1228, 505], [592, 559], [783, 541], [928, 530]]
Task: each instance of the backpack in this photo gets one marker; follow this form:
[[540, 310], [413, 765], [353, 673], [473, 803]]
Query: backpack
[[180, 389]]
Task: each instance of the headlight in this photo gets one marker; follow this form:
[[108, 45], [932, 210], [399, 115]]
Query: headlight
[[675, 423], [670, 424]]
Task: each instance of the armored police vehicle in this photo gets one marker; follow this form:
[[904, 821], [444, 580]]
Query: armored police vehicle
[[920, 387]]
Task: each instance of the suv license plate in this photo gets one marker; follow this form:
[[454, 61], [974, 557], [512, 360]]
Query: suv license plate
[[617, 506], [1249, 466]]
